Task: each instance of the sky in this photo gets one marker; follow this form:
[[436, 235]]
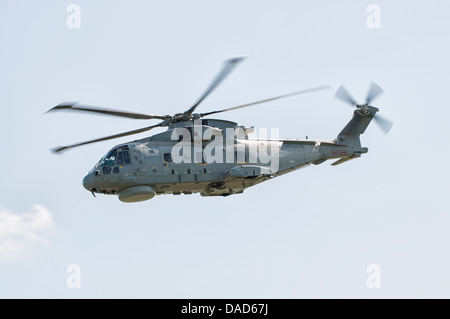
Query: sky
[[374, 227]]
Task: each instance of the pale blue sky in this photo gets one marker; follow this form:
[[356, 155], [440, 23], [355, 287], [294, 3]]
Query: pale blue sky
[[311, 233]]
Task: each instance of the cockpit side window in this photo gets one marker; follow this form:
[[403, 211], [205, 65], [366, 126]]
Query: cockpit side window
[[119, 160], [118, 156], [126, 157], [123, 157], [109, 159]]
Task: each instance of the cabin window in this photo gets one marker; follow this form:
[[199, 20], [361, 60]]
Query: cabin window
[[168, 157], [116, 170], [106, 170]]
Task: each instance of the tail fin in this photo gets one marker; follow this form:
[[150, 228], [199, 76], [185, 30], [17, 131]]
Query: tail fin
[[349, 136], [348, 139], [357, 125]]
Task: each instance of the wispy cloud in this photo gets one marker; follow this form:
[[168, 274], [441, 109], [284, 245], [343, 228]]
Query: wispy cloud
[[22, 232]]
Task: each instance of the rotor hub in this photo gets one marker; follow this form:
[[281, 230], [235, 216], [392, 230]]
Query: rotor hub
[[363, 109]]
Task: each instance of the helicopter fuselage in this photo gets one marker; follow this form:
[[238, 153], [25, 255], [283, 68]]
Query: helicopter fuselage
[[199, 157]]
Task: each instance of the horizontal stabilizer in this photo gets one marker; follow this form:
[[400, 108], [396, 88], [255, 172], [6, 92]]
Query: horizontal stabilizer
[[343, 160]]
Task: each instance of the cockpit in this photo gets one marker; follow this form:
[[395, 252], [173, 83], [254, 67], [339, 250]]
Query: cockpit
[[117, 160], [118, 156], [114, 160]]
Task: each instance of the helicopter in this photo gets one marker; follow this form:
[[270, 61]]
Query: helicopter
[[214, 157]]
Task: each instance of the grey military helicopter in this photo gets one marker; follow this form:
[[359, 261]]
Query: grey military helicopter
[[214, 157]]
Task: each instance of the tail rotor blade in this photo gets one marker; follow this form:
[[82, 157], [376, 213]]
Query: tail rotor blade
[[383, 123], [374, 91], [343, 95]]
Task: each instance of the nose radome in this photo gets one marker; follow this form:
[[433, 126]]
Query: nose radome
[[88, 181]]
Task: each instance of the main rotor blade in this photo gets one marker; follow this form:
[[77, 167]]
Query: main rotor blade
[[383, 123], [229, 65], [374, 91], [148, 128], [343, 95], [324, 87], [83, 108]]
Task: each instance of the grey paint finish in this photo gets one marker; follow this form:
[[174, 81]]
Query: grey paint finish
[[152, 163]]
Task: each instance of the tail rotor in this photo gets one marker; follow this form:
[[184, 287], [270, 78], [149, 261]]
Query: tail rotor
[[372, 93]]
